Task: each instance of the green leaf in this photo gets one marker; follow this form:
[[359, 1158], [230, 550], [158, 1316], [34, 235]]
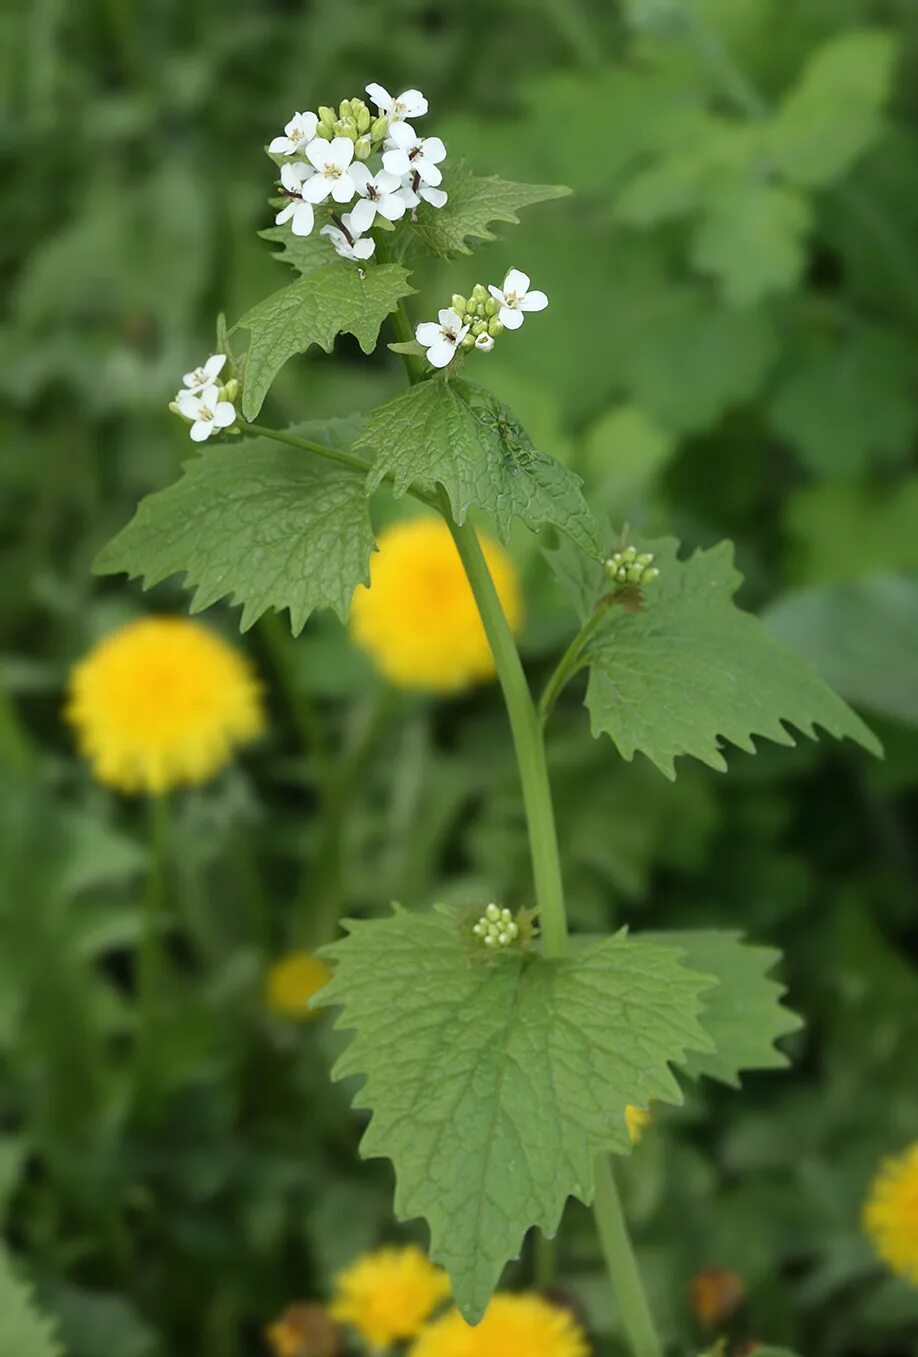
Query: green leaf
[[862, 636], [493, 1087], [266, 525], [474, 204], [325, 302], [743, 1013], [834, 112], [691, 669], [303, 253], [459, 436], [752, 236], [26, 1333]]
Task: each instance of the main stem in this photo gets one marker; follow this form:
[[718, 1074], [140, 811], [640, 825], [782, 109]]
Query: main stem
[[620, 1261]]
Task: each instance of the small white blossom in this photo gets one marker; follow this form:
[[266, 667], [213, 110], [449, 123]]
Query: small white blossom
[[206, 374], [407, 153], [298, 133], [515, 298], [379, 193], [409, 104], [332, 162], [355, 248], [297, 211], [435, 196], [484, 342], [206, 410], [441, 341], [496, 927]]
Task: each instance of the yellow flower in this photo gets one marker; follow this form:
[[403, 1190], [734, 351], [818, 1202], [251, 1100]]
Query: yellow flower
[[292, 982], [303, 1330], [387, 1295], [513, 1326], [418, 619], [891, 1213], [637, 1120], [160, 702]]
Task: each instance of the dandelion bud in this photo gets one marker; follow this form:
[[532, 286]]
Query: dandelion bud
[[379, 128], [363, 118], [458, 303], [495, 328], [363, 148], [327, 117]]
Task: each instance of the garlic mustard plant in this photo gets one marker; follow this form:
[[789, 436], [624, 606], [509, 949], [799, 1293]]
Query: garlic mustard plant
[[568, 1037]]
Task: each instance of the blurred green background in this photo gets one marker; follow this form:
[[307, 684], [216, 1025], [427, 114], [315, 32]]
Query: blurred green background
[[726, 354]]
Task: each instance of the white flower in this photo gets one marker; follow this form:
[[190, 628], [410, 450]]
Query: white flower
[[378, 193], [298, 212], [435, 196], [355, 248], [409, 104], [515, 298], [441, 341], [206, 410], [331, 160], [484, 342], [410, 154], [205, 375], [298, 133]]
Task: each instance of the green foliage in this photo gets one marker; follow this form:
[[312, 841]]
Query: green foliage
[[743, 1013], [458, 436], [862, 636], [493, 1088], [731, 679], [336, 299], [268, 526], [474, 205], [26, 1333]]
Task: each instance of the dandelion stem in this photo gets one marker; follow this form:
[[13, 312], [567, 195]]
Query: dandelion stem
[[620, 1261], [150, 959]]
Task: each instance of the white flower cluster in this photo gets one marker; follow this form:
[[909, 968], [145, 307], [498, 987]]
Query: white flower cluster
[[329, 154], [629, 566], [475, 322], [204, 403], [496, 928]]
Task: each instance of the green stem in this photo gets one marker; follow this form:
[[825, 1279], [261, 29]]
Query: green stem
[[279, 642], [404, 333], [150, 961], [570, 662], [527, 739], [620, 1261]]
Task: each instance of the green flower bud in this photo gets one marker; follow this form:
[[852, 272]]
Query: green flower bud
[[326, 133], [327, 117], [363, 118], [346, 127], [363, 148], [231, 390], [495, 329], [344, 108], [480, 327], [175, 409], [458, 303], [479, 293], [468, 343], [491, 307], [650, 575], [379, 128], [492, 913]]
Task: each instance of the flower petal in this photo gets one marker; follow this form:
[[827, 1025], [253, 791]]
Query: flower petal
[[342, 188], [380, 96], [280, 146], [533, 301], [362, 176], [509, 318], [285, 214], [303, 219], [517, 282], [362, 217], [435, 196], [392, 206], [495, 292], [386, 182], [224, 414], [403, 136], [427, 333], [396, 161], [340, 152], [450, 320], [441, 353], [364, 248], [429, 174], [316, 189], [414, 102], [201, 430], [434, 150], [317, 153]]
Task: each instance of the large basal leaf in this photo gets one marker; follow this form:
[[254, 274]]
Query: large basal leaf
[[338, 298], [266, 525], [474, 205], [23, 1331], [692, 670], [743, 1014], [493, 1087], [459, 436]]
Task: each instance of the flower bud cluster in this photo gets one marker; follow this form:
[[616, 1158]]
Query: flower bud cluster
[[496, 928], [336, 156], [629, 566], [476, 321], [207, 405]]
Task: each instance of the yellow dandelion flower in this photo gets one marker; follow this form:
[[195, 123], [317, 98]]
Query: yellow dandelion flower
[[891, 1213], [292, 982], [418, 618], [160, 702], [637, 1121], [513, 1326], [387, 1295]]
